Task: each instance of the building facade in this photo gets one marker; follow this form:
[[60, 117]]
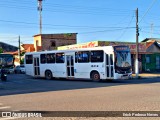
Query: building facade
[[52, 41], [151, 61]]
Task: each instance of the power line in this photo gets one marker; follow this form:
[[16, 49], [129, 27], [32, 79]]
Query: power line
[[143, 31], [126, 28], [60, 8], [106, 30], [71, 9], [153, 2], [72, 26], [28, 23], [71, 6], [8, 37]]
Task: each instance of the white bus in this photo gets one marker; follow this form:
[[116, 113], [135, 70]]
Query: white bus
[[98, 63]]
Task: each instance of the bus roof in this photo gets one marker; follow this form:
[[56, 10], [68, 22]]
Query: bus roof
[[72, 50], [79, 49]]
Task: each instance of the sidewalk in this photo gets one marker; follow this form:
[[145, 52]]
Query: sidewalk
[[147, 75]]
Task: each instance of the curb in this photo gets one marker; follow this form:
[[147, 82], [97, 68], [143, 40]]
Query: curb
[[139, 77]]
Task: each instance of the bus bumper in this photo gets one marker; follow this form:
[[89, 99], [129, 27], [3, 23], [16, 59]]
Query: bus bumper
[[123, 76]]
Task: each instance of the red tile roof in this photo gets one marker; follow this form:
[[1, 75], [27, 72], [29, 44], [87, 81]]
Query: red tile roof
[[148, 44], [28, 47], [13, 53]]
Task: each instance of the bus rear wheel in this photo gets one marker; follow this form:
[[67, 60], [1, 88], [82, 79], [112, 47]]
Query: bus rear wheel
[[95, 76], [48, 75]]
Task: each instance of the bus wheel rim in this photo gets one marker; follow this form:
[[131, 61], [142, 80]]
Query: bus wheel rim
[[96, 77]]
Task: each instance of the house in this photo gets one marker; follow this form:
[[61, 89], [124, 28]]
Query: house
[[8, 48], [151, 61], [52, 41], [27, 48]]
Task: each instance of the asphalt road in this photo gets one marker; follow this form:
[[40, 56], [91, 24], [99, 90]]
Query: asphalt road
[[23, 93]]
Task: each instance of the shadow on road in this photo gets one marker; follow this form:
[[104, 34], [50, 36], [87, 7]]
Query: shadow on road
[[23, 84]]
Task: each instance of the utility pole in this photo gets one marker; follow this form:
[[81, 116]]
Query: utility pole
[[19, 50], [40, 15], [137, 47]]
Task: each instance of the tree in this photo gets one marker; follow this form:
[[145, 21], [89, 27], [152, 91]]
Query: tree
[[1, 50], [22, 61]]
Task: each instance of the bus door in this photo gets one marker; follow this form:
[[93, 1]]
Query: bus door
[[109, 66], [36, 66], [70, 65]]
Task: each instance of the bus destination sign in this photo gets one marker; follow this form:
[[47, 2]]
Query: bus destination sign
[[121, 48]]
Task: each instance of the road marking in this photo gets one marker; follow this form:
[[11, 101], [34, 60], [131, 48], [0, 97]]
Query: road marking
[[16, 110], [9, 118], [6, 107]]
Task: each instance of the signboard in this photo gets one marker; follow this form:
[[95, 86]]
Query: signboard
[[132, 46], [77, 46], [142, 47]]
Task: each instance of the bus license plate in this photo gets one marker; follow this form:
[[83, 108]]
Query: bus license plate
[[124, 77]]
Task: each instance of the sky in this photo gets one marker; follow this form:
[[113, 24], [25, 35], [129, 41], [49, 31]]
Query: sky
[[105, 20]]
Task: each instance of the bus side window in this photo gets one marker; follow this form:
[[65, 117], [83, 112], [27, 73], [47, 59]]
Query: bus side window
[[43, 58], [97, 56], [60, 58], [29, 59], [83, 56], [76, 57], [51, 58], [107, 61], [111, 59]]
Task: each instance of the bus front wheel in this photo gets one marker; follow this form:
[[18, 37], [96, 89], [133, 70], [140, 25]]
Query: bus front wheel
[[95, 76], [48, 75]]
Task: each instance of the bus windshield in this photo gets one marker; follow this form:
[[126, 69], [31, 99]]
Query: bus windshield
[[123, 59], [6, 60]]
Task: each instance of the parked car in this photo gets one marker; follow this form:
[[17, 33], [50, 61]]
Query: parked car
[[20, 69], [10, 70]]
